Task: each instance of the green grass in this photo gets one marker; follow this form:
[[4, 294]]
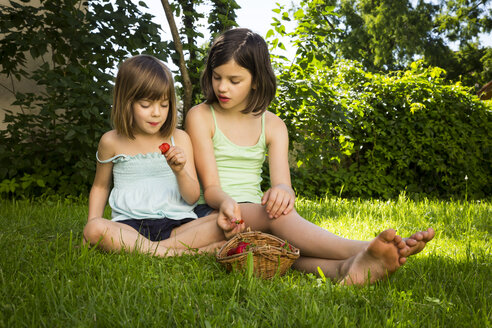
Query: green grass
[[48, 279]]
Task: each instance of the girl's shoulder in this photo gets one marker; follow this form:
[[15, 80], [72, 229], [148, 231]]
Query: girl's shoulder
[[200, 118], [199, 111], [182, 139], [108, 143], [272, 121], [180, 135], [109, 139], [275, 128]]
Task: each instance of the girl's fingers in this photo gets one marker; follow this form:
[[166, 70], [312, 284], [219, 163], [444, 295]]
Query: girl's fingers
[[283, 207], [277, 207], [264, 199], [290, 206], [272, 203]]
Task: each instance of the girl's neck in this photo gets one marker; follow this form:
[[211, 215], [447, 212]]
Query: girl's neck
[[147, 137], [142, 144], [235, 113]]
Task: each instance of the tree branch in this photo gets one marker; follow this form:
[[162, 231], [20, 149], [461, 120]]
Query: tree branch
[[187, 86]]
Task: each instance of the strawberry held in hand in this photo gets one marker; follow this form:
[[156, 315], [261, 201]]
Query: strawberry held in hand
[[164, 147], [238, 221]]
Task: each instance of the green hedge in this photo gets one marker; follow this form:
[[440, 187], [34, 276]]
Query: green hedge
[[361, 134]]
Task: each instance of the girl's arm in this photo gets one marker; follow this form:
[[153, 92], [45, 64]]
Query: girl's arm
[[180, 159], [200, 127], [102, 180], [280, 198]]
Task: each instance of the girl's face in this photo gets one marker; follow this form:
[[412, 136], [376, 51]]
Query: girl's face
[[232, 85], [149, 115]]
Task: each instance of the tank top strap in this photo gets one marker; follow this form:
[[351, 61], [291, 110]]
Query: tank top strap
[[172, 141], [263, 124], [213, 115], [109, 159]]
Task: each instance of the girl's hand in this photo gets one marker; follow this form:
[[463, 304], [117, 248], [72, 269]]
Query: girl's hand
[[229, 219], [279, 200], [176, 158]]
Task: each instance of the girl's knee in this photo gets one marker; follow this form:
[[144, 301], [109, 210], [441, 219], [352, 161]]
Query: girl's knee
[[94, 230]]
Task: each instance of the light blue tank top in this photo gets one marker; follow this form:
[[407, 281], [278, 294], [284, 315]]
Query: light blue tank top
[[239, 167], [145, 187]]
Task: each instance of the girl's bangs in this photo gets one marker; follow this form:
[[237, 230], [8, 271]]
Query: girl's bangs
[[155, 87]]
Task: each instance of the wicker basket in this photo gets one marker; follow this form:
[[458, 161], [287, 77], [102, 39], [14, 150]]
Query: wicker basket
[[270, 255]]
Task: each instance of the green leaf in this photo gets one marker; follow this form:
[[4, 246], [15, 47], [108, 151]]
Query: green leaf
[[250, 265], [321, 274]]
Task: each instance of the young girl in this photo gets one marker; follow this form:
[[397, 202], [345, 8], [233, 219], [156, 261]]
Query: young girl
[[232, 132], [153, 195]]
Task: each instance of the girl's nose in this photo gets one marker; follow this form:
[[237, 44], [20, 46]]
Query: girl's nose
[[222, 86], [156, 110]]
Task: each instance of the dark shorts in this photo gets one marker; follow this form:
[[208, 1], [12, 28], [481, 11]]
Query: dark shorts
[[155, 229], [202, 210]]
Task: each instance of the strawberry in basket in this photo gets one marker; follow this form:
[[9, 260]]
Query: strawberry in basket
[[241, 247]]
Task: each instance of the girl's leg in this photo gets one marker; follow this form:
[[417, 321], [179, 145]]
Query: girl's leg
[[198, 233], [380, 259], [312, 240], [115, 236]]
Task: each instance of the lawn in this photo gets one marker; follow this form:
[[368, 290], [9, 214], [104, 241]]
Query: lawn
[[49, 279]]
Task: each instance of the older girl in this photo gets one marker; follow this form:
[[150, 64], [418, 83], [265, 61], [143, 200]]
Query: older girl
[[231, 134]]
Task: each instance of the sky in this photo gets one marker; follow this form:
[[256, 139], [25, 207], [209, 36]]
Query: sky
[[257, 14], [254, 14]]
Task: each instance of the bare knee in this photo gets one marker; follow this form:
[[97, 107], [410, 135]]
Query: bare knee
[[94, 230]]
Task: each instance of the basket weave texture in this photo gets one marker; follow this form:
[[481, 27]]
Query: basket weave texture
[[270, 255]]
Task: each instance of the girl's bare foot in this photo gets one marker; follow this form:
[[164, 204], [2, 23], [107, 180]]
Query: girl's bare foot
[[417, 241], [380, 259]]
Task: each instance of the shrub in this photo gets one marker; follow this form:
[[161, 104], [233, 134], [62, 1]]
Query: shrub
[[375, 135]]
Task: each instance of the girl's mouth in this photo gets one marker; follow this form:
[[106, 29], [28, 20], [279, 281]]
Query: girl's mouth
[[223, 99], [154, 123]]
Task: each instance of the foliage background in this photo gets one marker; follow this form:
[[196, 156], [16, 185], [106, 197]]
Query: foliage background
[[361, 134], [49, 147], [358, 128]]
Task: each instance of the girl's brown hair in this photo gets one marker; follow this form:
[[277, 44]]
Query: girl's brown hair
[[249, 50], [142, 77]]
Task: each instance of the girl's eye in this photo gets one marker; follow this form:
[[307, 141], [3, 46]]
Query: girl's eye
[[235, 82]]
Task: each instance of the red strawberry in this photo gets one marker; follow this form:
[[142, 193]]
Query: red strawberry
[[164, 148], [285, 245], [241, 247]]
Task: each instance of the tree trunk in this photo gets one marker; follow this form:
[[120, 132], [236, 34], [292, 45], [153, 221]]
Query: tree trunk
[[187, 86]]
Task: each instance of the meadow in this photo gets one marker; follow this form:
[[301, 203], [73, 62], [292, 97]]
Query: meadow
[[48, 278]]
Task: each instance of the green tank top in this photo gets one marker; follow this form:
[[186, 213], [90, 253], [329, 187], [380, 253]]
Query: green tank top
[[239, 167]]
